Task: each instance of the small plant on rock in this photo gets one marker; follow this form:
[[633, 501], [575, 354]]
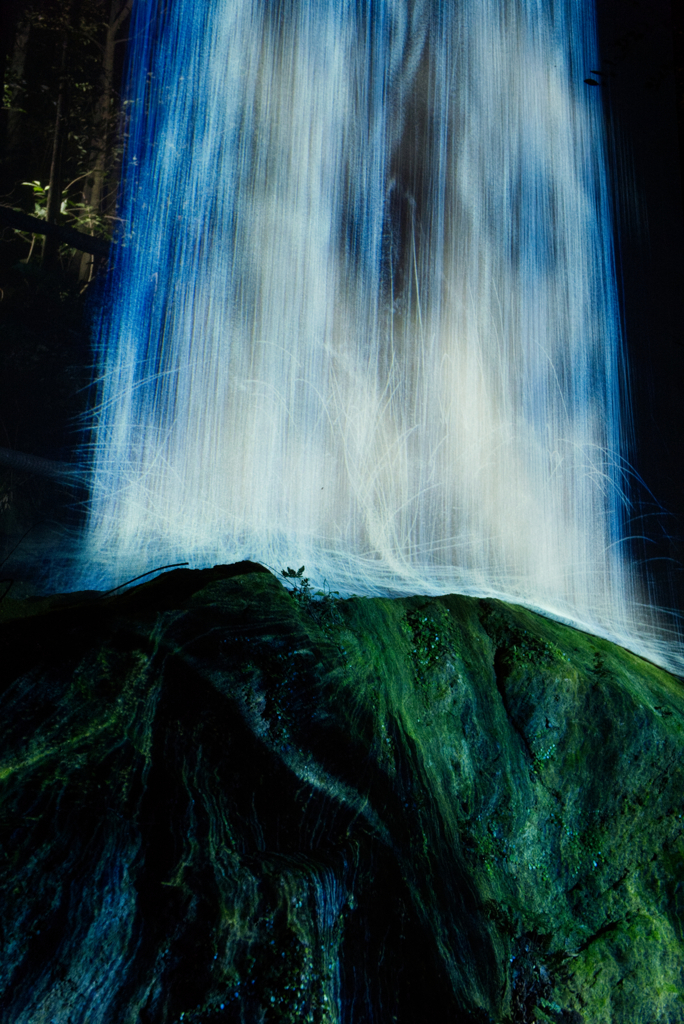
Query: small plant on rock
[[318, 603], [300, 585]]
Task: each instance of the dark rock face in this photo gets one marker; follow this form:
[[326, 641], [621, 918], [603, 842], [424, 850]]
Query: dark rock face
[[222, 803]]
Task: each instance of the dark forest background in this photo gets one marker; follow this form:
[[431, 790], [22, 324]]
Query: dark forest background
[[63, 124], [62, 133]]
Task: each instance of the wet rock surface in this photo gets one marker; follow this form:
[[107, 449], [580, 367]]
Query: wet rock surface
[[223, 803]]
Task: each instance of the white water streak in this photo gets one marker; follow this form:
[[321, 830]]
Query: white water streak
[[367, 319]]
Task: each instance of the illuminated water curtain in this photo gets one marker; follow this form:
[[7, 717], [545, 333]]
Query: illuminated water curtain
[[364, 316]]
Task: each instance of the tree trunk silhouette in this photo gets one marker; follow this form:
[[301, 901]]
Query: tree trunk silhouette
[[61, 232], [54, 199], [16, 68], [99, 152]]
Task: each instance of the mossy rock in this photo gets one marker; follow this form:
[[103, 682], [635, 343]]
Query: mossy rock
[[222, 803]]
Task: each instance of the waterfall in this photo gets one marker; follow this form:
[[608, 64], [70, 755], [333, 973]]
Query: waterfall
[[363, 315]]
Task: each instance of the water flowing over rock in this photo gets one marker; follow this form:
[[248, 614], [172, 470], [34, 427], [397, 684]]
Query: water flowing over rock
[[364, 310], [222, 802]]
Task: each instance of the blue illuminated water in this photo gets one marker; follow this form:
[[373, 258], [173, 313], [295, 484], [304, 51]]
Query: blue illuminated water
[[363, 315]]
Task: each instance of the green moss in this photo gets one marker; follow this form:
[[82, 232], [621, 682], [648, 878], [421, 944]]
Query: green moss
[[425, 633], [476, 795]]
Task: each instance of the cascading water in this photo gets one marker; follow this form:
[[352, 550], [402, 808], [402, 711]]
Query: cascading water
[[363, 315]]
